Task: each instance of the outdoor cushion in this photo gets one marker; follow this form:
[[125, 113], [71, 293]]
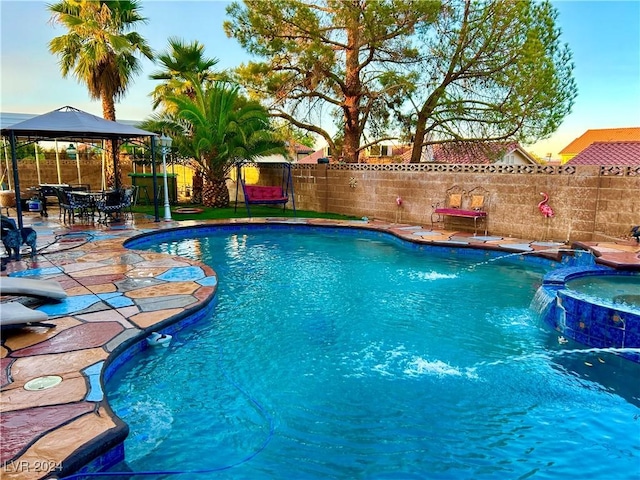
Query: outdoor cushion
[[15, 313], [456, 212], [477, 202], [32, 288], [256, 193], [455, 200]]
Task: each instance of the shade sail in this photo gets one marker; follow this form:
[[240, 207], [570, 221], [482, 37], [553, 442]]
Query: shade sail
[[69, 122]]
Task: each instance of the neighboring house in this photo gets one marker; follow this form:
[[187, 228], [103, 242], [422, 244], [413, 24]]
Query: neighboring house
[[609, 153], [631, 134], [315, 156], [501, 153], [299, 151], [510, 153]]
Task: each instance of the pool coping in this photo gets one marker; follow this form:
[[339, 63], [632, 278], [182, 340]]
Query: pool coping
[[90, 429]]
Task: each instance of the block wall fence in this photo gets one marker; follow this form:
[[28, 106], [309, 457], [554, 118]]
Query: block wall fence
[[591, 203], [90, 172]]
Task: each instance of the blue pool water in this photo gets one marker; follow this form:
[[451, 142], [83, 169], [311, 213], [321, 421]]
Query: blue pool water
[[333, 356]]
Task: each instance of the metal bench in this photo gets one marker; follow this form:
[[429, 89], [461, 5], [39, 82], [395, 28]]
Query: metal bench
[[463, 204]]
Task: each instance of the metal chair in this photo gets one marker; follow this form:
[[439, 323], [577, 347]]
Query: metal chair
[[110, 206], [129, 199], [64, 202]]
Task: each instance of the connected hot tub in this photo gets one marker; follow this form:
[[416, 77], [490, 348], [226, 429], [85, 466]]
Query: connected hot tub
[[596, 306]]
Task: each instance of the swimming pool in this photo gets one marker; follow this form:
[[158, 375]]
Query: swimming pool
[[342, 356]]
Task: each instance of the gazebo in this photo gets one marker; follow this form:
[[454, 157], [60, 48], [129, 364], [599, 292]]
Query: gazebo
[[72, 125]]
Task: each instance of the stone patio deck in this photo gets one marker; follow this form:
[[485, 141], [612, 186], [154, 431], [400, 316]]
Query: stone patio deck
[[116, 297]]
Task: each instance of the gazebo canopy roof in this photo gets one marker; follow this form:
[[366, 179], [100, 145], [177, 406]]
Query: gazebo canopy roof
[[69, 122]]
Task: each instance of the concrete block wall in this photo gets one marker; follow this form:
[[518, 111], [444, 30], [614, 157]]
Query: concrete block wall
[[591, 203], [90, 172]]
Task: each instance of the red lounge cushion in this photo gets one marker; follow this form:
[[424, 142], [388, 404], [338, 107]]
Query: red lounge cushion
[[456, 212], [255, 193]]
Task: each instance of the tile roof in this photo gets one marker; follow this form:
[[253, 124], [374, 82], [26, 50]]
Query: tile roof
[[608, 153], [630, 134], [313, 158], [476, 153], [300, 148]]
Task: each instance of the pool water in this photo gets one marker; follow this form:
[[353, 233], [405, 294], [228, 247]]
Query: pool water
[[334, 356]]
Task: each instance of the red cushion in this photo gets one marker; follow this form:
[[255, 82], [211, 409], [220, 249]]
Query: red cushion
[[260, 192], [460, 213]]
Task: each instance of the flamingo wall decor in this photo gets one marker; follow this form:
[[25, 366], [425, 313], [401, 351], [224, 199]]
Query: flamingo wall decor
[[544, 207]]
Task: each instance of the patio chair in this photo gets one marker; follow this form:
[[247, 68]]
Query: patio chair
[[129, 199], [110, 206], [82, 203], [64, 202]]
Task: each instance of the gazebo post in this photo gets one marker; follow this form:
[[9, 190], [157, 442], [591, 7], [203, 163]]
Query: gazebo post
[[16, 179]]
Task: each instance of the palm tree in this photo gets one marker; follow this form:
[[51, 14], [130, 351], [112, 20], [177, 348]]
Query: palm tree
[[99, 48], [181, 62], [216, 128]]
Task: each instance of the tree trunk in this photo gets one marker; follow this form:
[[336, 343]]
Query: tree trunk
[[215, 193], [112, 168], [418, 139], [352, 95]]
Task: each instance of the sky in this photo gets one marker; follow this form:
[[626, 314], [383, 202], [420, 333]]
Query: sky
[[604, 37]]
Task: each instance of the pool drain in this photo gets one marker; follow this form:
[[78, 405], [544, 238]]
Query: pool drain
[[42, 383]]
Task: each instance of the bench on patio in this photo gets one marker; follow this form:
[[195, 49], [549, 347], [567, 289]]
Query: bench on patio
[[460, 203]]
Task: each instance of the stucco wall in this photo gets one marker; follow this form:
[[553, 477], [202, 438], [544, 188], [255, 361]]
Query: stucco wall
[[590, 202]]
